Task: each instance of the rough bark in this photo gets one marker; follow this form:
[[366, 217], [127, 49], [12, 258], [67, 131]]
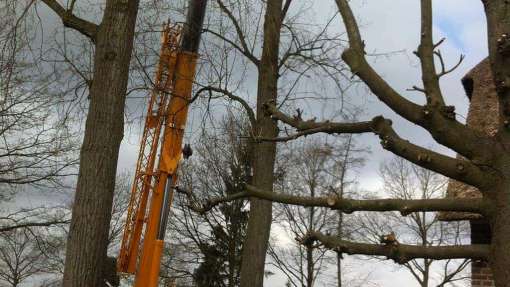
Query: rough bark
[[400, 253], [485, 161], [259, 223], [88, 234], [309, 266], [498, 28], [310, 275], [499, 258]]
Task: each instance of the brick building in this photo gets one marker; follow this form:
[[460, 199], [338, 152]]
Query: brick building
[[482, 116]]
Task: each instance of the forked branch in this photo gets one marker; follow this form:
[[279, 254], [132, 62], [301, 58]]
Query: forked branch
[[434, 117], [70, 20], [228, 94], [240, 34]]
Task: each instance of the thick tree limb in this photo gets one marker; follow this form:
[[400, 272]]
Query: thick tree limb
[[309, 127], [459, 169], [325, 127], [70, 20], [354, 56], [404, 206], [400, 253], [351, 205], [439, 121]]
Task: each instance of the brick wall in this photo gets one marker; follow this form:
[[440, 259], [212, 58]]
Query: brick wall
[[481, 275], [483, 117]]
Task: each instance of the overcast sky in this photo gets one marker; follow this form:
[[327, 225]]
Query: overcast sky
[[390, 26]]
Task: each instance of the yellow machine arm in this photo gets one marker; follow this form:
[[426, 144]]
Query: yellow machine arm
[[154, 182]]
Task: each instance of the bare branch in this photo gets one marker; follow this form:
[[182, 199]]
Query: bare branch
[[416, 88], [400, 253], [70, 20], [311, 126], [247, 54], [404, 206], [426, 54], [458, 169], [240, 35], [354, 56], [438, 121], [445, 71], [285, 8], [210, 203], [71, 6], [461, 170], [230, 95], [33, 224]]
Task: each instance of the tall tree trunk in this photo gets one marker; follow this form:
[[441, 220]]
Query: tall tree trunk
[[309, 266], [88, 233], [259, 223], [498, 27], [424, 242], [340, 224], [500, 242], [339, 230], [309, 248], [426, 273]]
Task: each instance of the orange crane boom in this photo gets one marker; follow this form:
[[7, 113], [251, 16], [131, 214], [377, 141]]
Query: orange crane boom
[[154, 182]]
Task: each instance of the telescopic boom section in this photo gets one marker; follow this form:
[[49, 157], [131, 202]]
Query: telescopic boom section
[[153, 186], [146, 172]]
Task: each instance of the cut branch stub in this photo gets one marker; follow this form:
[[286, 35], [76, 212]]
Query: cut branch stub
[[266, 107], [405, 211], [332, 200], [426, 111], [504, 44], [461, 168], [380, 125], [424, 158], [449, 112], [353, 59]]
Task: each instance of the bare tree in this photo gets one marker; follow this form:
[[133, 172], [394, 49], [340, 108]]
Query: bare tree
[[403, 180], [50, 239], [247, 35], [209, 241], [351, 157], [315, 168], [20, 257], [37, 149], [306, 168], [113, 43], [484, 155]]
